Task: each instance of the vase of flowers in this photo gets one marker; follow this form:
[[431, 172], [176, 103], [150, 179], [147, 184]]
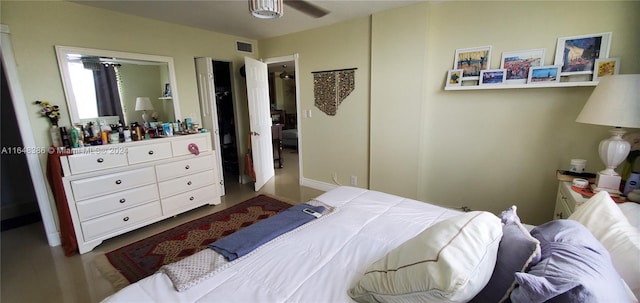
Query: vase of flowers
[[51, 112]]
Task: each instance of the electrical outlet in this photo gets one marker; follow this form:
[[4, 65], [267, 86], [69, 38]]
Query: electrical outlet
[[354, 180], [307, 113]]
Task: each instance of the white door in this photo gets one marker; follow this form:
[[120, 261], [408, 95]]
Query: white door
[[259, 120], [209, 110]]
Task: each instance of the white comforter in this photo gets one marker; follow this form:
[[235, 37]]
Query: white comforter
[[315, 263]]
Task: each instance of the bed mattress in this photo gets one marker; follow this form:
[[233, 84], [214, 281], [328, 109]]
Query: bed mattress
[[315, 263]]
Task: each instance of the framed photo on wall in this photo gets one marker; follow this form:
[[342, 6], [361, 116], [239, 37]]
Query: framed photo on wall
[[454, 77], [606, 67], [577, 55], [472, 61], [517, 64], [544, 74], [492, 76]]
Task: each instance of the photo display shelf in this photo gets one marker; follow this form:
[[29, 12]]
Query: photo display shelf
[[530, 85], [579, 61]]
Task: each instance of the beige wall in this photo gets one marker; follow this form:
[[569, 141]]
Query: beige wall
[[399, 47], [36, 27], [332, 144], [491, 149], [483, 149]]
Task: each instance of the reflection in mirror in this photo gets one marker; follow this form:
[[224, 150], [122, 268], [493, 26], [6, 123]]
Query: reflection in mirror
[[104, 85]]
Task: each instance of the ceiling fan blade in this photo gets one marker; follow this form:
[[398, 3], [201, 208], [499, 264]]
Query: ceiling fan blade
[[307, 8]]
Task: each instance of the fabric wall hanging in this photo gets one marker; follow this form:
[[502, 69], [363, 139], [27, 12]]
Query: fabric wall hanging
[[331, 87]]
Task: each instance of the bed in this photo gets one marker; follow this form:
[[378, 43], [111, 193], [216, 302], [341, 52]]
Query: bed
[[341, 257]]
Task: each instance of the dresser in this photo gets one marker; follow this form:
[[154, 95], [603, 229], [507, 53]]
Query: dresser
[[116, 188], [566, 201]]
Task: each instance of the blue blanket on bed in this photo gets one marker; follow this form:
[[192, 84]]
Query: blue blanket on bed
[[253, 236]]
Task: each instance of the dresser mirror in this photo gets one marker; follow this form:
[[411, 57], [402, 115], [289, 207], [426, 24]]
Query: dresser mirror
[[103, 85]]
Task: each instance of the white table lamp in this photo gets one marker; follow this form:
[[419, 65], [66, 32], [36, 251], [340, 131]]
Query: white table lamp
[[144, 104], [614, 102]]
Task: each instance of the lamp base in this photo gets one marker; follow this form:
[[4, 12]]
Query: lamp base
[[608, 183], [145, 118]]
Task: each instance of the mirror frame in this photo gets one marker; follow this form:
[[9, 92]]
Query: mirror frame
[[63, 51]]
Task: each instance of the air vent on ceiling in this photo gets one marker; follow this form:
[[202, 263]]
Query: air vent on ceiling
[[244, 47]]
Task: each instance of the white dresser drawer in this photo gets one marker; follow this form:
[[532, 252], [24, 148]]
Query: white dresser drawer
[[184, 167], [96, 186], [181, 147], [186, 183], [82, 163], [178, 203], [149, 152], [110, 223], [92, 208]]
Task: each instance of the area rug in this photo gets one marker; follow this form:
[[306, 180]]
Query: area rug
[[140, 259]]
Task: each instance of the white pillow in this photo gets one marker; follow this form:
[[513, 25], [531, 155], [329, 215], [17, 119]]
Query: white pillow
[[450, 261], [631, 210], [608, 224]]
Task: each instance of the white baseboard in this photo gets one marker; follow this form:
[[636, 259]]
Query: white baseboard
[[318, 185], [54, 239]]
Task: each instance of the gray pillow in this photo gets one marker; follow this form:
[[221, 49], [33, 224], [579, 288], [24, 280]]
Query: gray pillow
[[517, 250], [574, 267]]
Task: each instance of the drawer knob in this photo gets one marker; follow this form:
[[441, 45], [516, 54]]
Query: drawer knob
[[186, 167], [125, 219], [118, 181], [123, 200], [100, 160], [189, 183], [191, 198], [150, 152], [193, 148]]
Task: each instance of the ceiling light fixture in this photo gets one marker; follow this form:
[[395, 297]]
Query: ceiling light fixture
[[284, 75], [266, 9]]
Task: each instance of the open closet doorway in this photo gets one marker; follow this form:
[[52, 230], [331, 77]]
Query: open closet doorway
[[226, 119], [217, 106]]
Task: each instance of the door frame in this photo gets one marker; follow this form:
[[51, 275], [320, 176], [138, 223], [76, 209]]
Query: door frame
[[26, 133], [294, 58]]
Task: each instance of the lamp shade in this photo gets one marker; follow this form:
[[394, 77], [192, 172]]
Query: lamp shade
[[143, 103], [614, 102], [266, 9]]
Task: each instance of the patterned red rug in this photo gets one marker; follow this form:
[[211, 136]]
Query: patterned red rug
[[143, 258]]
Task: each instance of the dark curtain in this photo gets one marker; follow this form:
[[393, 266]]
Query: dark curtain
[[107, 93]]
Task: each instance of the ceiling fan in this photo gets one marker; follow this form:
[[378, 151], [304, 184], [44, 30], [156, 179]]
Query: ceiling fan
[[268, 9], [306, 7]]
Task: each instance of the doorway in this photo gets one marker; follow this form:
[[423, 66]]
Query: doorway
[[19, 204], [284, 97], [226, 119]]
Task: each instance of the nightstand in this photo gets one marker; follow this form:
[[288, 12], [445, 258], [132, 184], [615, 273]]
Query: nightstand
[[566, 201]]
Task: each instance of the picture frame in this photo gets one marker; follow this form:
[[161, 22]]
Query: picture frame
[[577, 54], [472, 61], [606, 67], [517, 64], [493, 76], [167, 90], [544, 74], [454, 77]]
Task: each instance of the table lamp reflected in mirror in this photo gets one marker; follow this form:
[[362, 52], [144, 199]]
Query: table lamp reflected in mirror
[[144, 104]]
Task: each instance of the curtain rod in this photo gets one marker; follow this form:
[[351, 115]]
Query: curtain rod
[[335, 70]]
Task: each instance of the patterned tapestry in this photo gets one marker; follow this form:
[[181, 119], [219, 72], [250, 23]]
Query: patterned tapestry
[[331, 88]]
